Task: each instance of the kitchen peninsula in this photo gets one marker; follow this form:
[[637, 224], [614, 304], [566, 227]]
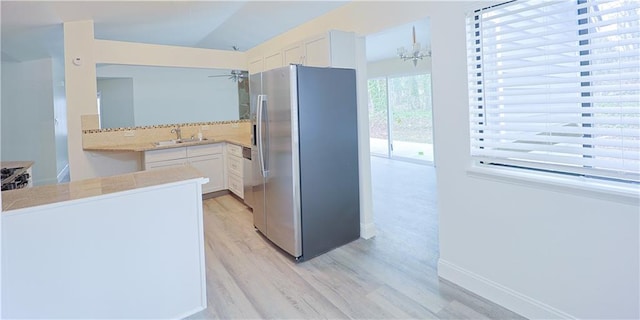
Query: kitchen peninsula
[[207, 146], [110, 247]]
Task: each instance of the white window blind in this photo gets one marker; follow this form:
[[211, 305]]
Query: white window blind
[[555, 86]]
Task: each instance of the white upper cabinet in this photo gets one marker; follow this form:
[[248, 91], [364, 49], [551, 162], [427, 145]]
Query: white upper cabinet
[[266, 62], [273, 60], [293, 54], [256, 64], [317, 51], [331, 49]]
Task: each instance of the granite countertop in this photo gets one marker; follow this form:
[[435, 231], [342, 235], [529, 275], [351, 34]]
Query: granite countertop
[[243, 141], [48, 194], [16, 164]]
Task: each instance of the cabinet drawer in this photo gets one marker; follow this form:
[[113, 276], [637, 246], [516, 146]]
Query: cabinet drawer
[[165, 164], [165, 154], [234, 150], [203, 150], [235, 185], [234, 165]]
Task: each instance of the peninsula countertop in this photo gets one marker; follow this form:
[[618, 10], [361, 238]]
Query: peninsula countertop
[[48, 194], [241, 140], [16, 164]]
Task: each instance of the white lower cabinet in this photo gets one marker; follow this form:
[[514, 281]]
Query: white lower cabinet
[[211, 166], [235, 170], [235, 185], [208, 159]]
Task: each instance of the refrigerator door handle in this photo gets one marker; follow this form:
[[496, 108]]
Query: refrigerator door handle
[[261, 103]]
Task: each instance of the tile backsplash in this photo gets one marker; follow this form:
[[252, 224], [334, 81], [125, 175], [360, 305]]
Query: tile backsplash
[[96, 138]]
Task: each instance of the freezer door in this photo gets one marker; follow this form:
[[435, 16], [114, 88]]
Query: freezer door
[[328, 158], [255, 92], [281, 155]]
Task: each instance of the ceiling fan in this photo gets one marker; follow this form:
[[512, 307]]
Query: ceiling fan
[[234, 75]]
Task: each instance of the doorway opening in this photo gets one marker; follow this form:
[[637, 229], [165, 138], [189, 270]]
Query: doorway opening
[[400, 108]]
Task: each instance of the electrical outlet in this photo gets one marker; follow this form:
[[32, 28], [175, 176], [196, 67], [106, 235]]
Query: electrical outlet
[[129, 133], [205, 128]]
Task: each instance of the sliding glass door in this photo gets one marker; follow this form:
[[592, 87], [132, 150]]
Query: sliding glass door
[[379, 117], [400, 117]]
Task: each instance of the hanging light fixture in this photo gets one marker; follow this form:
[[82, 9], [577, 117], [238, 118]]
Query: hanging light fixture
[[416, 53]]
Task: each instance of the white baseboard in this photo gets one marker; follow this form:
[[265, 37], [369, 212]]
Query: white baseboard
[[367, 230], [504, 296], [63, 173], [191, 312]]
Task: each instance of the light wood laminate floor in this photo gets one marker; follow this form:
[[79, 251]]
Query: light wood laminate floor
[[392, 276]]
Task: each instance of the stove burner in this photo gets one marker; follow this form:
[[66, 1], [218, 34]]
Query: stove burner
[[7, 172], [20, 181]]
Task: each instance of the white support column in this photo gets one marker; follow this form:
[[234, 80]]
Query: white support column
[[80, 88], [367, 227]]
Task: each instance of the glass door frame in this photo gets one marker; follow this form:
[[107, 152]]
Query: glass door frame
[[386, 154], [389, 121]]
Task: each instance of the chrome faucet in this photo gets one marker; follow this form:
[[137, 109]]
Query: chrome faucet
[[178, 132]]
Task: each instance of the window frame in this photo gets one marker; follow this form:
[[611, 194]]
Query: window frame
[[571, 181]]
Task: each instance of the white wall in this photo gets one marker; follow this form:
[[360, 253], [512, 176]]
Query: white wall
[[397, 67], [543, 252], [28, 117]]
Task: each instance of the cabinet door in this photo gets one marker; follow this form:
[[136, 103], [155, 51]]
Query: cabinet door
[[318, 51], [273, 61], [256, 65], [165, 164], [342, 49], [211, 167], [235, 185], [234, 150], [294, 54], [234, 165]]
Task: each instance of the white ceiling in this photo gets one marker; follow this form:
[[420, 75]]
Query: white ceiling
[[33, 29]]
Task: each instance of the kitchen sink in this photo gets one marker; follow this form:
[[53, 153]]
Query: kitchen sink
[[191, 140], [165, 143], [175, 141]]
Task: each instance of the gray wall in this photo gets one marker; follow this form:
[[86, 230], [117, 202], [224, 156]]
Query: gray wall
[[60, 121], [116, 103], [28, 124], [166, 95]]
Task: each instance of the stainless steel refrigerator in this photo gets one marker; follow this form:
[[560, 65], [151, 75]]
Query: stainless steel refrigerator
[[305, 138]]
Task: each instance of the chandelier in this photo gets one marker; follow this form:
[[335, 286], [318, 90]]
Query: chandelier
[[416, 53]]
